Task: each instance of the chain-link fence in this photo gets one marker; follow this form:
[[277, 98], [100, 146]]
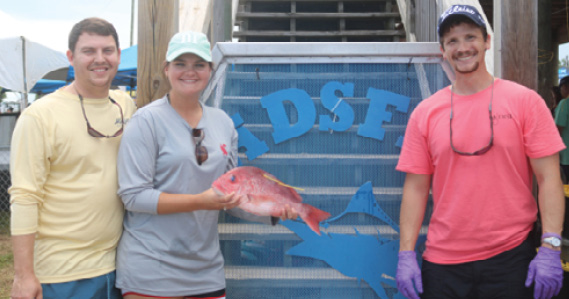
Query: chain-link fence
[[4, 184], [7, 122]]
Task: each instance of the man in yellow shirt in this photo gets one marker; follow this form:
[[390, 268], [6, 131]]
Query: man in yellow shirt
[[66, 215]]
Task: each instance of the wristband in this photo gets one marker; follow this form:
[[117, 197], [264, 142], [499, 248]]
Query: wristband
[[552, 239]]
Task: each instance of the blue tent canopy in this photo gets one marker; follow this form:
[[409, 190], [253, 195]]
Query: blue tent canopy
[[126, 74], [46, 86], [561, 72]]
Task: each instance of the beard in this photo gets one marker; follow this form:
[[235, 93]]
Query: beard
[[468, 70]]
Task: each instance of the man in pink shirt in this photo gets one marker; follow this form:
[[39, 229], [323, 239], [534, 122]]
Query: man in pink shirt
[[477, 144]]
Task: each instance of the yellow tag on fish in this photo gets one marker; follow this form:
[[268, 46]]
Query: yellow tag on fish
[[281, 183]]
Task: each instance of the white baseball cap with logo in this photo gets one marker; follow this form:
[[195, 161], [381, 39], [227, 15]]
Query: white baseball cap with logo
[[189, 42]]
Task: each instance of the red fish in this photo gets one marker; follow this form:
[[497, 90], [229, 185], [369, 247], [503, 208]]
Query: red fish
[[264, 195]]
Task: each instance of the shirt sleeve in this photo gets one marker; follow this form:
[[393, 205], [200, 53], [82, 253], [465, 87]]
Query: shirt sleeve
[[561, 114], [541, 136], [29, 169], [415, 155], [135, 164]]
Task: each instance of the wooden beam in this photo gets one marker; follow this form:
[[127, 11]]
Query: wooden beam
[[157, 23], [321, 33], [218, 22], [519, 50], [195, 15], [316, 15], [323, 0]]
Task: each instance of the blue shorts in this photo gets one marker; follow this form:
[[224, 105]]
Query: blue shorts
[[100, 287]]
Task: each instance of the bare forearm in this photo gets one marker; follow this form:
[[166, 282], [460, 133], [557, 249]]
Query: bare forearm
[[207, 200], [413, 205], [23, 249], [411, 219], [552, 206], [26, 284], [551, 197]]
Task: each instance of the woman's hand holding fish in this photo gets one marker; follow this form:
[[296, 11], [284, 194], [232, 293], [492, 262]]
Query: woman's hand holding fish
[[219, 201], [288, 213]]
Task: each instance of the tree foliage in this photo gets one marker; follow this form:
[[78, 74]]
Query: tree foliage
[[564, 62]]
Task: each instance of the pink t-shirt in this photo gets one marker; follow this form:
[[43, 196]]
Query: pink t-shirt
[[483, 205]]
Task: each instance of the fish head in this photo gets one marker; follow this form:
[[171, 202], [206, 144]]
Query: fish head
[[228, 182]]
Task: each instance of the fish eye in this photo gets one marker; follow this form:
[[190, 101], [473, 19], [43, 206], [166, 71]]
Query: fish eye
[[232, 178]]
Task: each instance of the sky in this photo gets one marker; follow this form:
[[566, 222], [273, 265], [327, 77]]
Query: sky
[[563, 50], [48, 22]]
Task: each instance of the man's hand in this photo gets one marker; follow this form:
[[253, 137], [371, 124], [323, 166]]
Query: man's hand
[[408, 275], [545, 270], [26, 287]]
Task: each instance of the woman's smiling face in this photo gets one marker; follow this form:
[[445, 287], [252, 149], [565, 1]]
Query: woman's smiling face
[[188, 74]]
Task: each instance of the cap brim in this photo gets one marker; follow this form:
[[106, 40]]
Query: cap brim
[[205, 56]]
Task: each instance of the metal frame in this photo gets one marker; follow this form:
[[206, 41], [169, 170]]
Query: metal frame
[[226, 54], [326, 52]]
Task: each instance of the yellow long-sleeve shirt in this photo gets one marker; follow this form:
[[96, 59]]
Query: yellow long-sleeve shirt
[[64, 184]]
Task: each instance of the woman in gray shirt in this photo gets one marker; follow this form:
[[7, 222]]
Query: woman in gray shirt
[[171, 152]]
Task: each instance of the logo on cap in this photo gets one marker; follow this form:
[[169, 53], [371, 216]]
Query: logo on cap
[[464, 10]]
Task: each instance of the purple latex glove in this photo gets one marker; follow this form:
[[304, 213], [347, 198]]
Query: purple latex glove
[[545, 270], [408, 275]]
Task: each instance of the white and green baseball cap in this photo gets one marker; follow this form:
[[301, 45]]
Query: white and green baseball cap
[[188, 42]]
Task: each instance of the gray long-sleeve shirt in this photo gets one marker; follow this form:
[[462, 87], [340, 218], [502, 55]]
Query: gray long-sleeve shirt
[[173, 254]]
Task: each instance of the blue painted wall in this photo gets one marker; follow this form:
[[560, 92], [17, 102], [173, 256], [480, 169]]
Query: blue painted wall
[[336, 131]]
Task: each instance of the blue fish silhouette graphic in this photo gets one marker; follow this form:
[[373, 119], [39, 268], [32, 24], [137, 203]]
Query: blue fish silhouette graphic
[[365, 257]]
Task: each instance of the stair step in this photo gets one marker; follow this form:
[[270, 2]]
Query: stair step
[[318, 21]]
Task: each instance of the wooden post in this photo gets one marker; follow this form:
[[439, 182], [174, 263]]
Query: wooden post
[[519, 45], [218, 22], [24, 101], [195, 15], [497, 38], [519, 41], [547, 57], [157, 23]]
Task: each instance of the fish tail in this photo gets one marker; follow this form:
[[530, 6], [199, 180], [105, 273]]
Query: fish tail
[[313, 218]]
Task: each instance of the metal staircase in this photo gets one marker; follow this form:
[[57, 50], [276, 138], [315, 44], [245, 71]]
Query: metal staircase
[[318, 21], [330, 166]]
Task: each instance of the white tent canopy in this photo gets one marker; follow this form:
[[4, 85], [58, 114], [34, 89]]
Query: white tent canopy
[[24, 62]]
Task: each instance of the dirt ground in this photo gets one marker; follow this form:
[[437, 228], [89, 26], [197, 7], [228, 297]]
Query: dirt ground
[[6, 266]]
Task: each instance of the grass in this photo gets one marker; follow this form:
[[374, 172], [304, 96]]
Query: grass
[[6, 265], [6, 257]]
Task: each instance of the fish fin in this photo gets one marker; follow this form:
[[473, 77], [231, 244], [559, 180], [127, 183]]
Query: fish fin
[[274, 179], [313, 218], [244, 199]]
